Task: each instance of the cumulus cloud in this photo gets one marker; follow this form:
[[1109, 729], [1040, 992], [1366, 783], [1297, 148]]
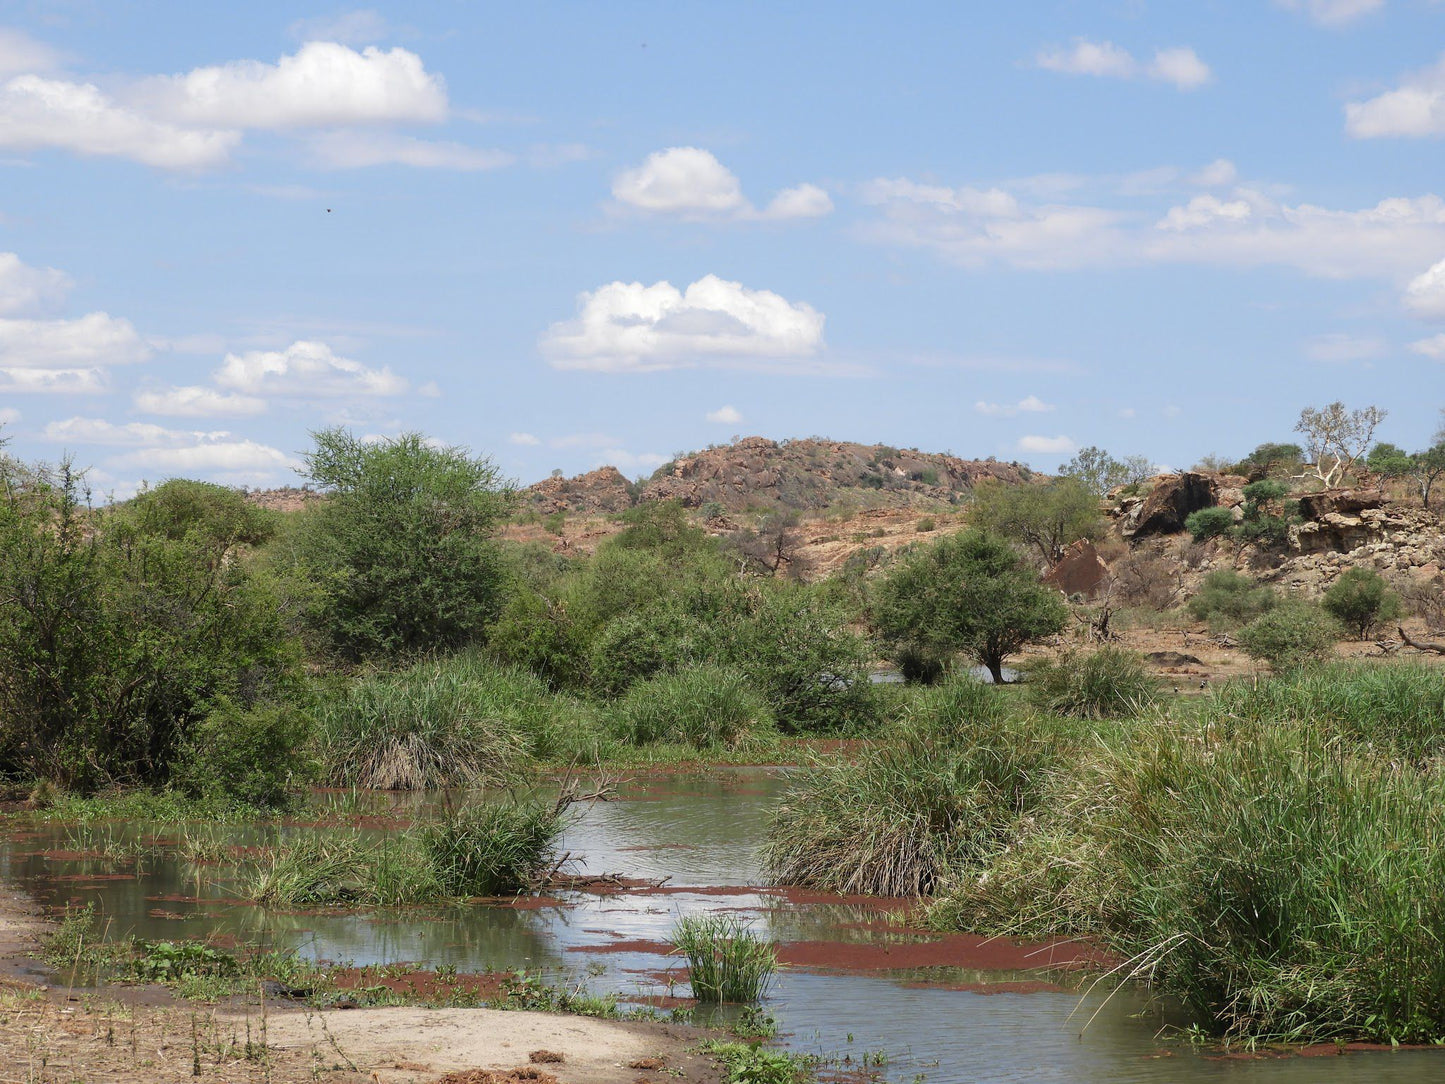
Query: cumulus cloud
[[1338, 347], [25, 289], [323, 84], [724, 415], [1433, 347], [361, 27], [1425, 294], [194, 401], [1047, 445], [358, 149], [235, 458], [19, 52], [96, 339], [1178, 65], [692, 183], [978, 226], [305, 370], [523, 438], [626, 461], [80, 430], [1333, 12], [38, 113], [1030, 404], [20, 381], [1218, 173], [629, 327], [1416, 108]]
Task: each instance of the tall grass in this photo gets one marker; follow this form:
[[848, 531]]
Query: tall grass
[[726, 961], [492, 850], [705, 707], [1108, 683], [938, 796]]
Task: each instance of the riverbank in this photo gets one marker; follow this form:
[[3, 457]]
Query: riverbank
[[142, 1035]]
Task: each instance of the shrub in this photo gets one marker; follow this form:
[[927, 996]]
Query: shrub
[[1265, 490], [255, 756], [493, 849], [726, 962], [1209, 523], [633, 647], [927, 523], [1230, 597], [536, 633], [1360, 599], [705, 707], [953, 712], [1108, 683], [1290, 635]]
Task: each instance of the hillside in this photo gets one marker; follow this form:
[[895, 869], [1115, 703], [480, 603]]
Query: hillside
[[757, 474]]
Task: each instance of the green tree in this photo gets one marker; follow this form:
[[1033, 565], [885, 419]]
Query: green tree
[[1291, 634], [401, 551], [1047, 518], [969, 592], [1427, 468], [1272, 458], [1360, 599], [1100, 472]]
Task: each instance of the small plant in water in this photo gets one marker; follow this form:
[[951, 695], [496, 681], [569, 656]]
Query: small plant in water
[[726, 961]]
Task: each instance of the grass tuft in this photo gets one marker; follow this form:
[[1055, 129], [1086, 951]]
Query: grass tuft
[[726, 962]]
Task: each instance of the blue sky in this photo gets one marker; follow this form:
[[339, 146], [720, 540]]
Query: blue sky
[[571, 234]]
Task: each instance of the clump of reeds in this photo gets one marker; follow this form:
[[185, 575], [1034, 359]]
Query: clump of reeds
[[938, 796], [493, 849], [726, 961], [704, 707], [1110, 683]]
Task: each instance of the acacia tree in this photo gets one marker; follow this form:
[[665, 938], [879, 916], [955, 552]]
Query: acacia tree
[[1101, 472], [1336, 437], [968, 592], [1046, 518], [400, 553]]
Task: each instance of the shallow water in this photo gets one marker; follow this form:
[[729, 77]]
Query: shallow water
[[950, 1024]]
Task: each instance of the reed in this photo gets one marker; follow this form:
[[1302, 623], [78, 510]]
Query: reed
[[726, 961], [1108, 683], [703, 707]]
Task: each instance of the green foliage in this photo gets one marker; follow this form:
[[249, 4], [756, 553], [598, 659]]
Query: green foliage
[[121, 628], [1271, 458], [1360, 599], [1227, 596], [1104, 684], [1291, 634], [925, 524], [400, 552], [1100, 472], [493, 849], [705, 707], [539, 634], [257, 756], [1265, 490], [1046, 517], [1209, 523], [1389, 460], [635, 646], [749, 1064], [968, 592], [726, 961]]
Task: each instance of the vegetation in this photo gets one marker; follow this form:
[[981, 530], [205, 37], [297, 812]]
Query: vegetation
[[1360, 599], [1229, 598], [704, 707], [968, 592], [1108, 683], [1291, 634], [726, 961], [1209, 523], [1045, 517], [1100, 472]]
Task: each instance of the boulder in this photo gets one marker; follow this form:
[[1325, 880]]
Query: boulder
[[1080, 571], [1174, 498]]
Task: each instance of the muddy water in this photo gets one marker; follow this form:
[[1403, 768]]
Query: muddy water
[[859, 986]]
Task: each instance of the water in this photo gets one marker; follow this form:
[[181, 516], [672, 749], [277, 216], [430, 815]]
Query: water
[[701, 833]]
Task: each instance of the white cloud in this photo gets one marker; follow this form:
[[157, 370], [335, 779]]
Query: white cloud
[[361, 27], [1030, 404], [626, 461], [692, 183], [1333, 12], [1425, 295], [52, 381], [629, 327], [583, 440], [96, 339], [1415, 108], [25, 289], [38, 113], [1338, 347], [193, 401], [323, 84], [1179, 65], [235, 458], [1218, 173], [9, 415], [1433, 347], [355, 150], [976, 227], [305, 370], [524, 438], [1047, 445], [21, 53], [79, 430], [724, 415]]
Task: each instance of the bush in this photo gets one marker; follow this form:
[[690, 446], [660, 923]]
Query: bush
[[927, 523], [1289, 635], [255, 756], [1209, 523], [705, 707], [1360, 599], [536, 633], [1109, 683], [953, 711], [726, 962], [493, 849], [633, 647], [1230, 597], [1265, 490]]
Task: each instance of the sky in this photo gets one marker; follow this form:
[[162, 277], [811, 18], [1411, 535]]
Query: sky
[[570, 234]]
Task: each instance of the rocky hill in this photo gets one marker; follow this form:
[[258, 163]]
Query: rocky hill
[[757, 474]]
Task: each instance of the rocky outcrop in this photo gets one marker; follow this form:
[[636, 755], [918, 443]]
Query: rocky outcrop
[[1080, 571], [1172, 500], [602, 492]]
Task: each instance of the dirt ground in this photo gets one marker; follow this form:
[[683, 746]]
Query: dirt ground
[[53, 1035]]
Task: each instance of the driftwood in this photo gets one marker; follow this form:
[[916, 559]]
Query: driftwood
[[1422, 645]]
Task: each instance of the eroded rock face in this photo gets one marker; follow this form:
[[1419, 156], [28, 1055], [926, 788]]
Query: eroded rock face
[[1080, 571], [1339, 502], [600, 492], [1174, 498]]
